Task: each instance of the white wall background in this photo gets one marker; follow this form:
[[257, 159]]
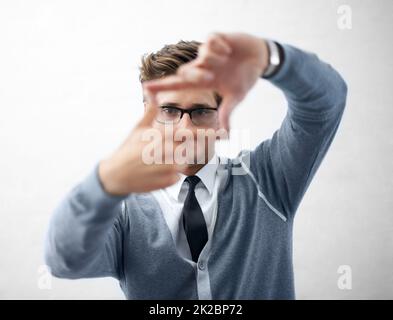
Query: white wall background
[[69, 94]]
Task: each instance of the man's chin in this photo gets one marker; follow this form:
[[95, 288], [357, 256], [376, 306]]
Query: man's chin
[[198, 158], [190, 169]]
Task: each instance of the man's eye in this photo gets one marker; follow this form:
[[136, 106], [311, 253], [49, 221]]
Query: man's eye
[[169, 111], [202, 112]]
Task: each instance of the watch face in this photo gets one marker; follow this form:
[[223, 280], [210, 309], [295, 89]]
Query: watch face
[[274, 59], [274, 54]]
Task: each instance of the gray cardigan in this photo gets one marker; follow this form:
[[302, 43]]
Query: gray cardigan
[[94, 234]]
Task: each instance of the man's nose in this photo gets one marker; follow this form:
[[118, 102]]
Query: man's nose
[[185, 122]]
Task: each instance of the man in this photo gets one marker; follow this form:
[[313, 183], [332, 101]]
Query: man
[[199, 231]]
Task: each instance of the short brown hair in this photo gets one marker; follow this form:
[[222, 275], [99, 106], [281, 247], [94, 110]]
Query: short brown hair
[[166, 61]]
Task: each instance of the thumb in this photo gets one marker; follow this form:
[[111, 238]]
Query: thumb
[[226, 107]]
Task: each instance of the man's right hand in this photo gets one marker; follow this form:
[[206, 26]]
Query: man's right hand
[[125, 172]]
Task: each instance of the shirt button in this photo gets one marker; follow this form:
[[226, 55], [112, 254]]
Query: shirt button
[[201, 265]]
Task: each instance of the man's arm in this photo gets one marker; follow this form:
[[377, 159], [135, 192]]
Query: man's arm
[[84, 238], [85, 234], [285, 164], [231, 63]]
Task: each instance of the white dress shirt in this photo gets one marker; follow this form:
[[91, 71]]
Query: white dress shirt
[[171, 201]]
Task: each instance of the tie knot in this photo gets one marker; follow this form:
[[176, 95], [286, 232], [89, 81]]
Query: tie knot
[[192, 181]]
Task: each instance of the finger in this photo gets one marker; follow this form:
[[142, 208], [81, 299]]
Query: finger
[[174, 82], [195, 78], [224, 112], [209, 59], [224, 121], [217, 44]]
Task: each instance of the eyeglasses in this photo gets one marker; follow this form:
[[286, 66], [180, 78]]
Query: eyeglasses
[[198, 116]]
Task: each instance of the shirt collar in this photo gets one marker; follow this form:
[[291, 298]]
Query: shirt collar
[[207, 174]]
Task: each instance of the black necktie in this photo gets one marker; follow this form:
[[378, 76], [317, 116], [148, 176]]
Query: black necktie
[[193, 220]]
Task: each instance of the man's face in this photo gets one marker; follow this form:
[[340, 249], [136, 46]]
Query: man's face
[[204, 122]]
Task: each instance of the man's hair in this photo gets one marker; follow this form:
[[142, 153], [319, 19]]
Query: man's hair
[[166, 61]]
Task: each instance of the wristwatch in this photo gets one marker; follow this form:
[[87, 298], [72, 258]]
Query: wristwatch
[[276, 57]]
